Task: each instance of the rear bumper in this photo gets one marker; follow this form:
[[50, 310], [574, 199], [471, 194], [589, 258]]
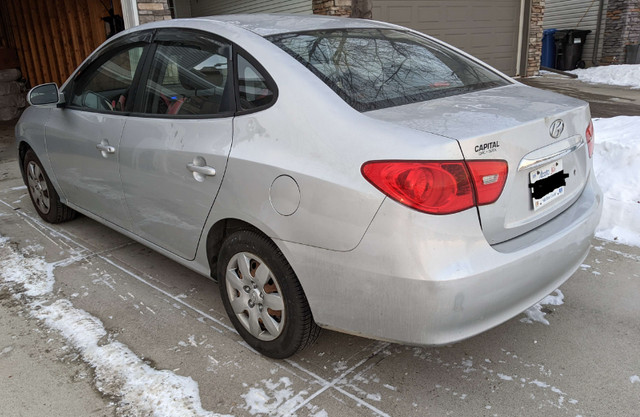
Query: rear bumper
[[431, 280]]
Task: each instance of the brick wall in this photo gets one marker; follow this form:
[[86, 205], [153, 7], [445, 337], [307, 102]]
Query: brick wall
[[534, 50], [153, 10], [622, 28]]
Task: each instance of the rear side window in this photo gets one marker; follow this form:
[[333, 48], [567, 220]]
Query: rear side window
[[253, 89], [188, 80], [373, 68]]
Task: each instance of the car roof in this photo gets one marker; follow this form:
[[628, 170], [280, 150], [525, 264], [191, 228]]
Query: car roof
[[271, 24]]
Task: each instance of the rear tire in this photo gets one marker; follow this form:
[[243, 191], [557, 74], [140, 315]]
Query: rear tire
[[263, 296], [44, 197]]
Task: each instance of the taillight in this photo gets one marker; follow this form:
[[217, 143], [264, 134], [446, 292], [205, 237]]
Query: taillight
[[590, 138], [438, 187], [488, 178]]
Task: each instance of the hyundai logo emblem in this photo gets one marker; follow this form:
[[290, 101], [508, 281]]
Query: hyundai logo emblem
[[556, 128]]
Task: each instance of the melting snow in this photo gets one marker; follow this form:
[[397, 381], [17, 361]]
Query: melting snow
[[278, 396], [634, 379], [141, 389], [535, 312]]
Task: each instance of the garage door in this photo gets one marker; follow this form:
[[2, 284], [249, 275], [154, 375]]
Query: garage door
[[487, 29], [213, 7]]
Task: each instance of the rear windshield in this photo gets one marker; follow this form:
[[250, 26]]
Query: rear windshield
[[373, 68]]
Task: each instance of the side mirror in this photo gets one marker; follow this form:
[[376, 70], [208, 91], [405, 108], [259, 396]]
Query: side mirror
[[44, 95]]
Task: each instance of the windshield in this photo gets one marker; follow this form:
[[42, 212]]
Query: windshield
[[373, 68]]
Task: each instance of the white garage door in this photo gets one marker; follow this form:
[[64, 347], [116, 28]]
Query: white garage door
[[213, 7], [487, 29]]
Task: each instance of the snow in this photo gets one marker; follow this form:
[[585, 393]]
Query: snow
[[615, 163], [621, 75], [535, 313], [32, 273], [140, 389], [634, 379], [274, 397]]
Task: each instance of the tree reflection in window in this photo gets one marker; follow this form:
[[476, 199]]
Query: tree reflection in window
[[373, 68]]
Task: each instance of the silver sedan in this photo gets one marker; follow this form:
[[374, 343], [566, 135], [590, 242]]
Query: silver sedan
[[336, 173]]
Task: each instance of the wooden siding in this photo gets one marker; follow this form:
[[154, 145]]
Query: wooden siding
[[53, 37], [213, 7]]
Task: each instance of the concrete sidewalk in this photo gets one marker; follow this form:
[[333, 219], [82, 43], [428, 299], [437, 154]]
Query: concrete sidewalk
[[605, 100]]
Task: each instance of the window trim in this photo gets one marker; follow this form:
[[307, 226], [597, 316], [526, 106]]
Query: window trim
[[177, 36]]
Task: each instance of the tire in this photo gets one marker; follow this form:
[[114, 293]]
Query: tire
[[269, 309], [44, 197]]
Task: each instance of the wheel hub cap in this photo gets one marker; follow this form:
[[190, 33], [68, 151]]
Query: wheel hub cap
[[255, 296]]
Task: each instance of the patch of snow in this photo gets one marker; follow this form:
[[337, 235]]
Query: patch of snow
[[505, 377], [274, 397], [21, 187], [615, 163], [32, 273], [622, 75], [634, 379], [119, 373], [339, 366], [540, 383], [535, 313]]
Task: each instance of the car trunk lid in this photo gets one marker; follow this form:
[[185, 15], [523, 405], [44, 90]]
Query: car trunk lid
[[539, 134]]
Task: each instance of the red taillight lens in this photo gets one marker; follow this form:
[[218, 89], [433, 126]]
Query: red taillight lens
[[590, 138], [438, 187], [488, 178]]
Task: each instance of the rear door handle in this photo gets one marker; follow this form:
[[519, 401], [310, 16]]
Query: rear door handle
[[204, 170]]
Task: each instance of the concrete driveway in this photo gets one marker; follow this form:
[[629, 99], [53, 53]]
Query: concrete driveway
[[604, 100], [584, 362]]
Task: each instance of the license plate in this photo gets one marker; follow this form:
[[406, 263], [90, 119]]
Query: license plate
[[547, 183]]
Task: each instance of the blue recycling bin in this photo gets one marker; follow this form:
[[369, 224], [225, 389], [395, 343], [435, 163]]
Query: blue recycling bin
[[548, 58]]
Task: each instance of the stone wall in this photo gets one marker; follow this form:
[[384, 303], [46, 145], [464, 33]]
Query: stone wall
[[622, 28], [534, 50], [153, 11]]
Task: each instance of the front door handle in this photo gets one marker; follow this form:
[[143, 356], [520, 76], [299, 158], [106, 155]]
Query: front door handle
[[105, 148]]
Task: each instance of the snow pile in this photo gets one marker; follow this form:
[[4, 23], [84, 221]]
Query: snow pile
[[617, 167], [141, 390], [535, 313], [623, 75]]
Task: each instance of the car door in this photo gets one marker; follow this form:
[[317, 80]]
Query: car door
[[175, 146], [83, 137]]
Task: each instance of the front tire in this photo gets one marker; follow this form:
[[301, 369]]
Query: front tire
[[263, 296], [44, 197]]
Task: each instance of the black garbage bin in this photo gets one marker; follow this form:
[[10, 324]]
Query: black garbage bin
[[569, 44]]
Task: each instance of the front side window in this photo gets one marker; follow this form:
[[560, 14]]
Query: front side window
[[188, 80], [374, 68], [108, 86]]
